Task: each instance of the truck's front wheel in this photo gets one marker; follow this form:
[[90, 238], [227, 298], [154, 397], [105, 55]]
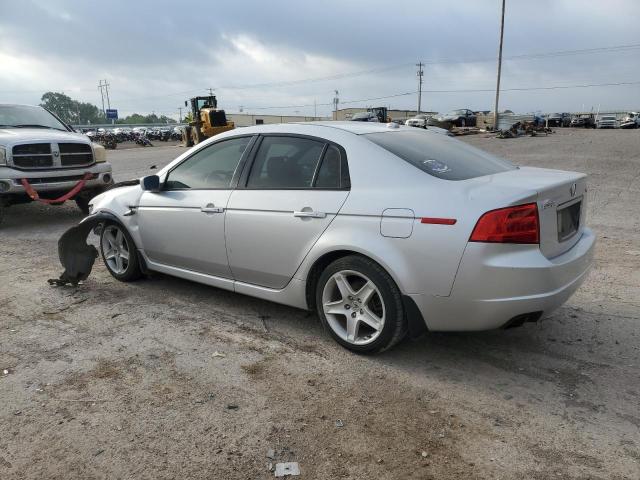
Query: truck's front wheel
[[186, 137], [196, 135]]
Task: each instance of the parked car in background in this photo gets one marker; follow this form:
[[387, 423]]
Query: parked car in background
[[418, 121], [554, 120], [42, 158], [382, 230], [607, 121], [558, 120], [365, 117], [458, 118], [631, 120], [586, 120]]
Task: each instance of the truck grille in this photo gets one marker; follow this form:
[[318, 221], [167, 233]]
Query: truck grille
[[51, 155], [72, 154], [33, 155]]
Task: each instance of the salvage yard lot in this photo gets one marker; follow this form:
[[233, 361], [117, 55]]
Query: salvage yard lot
[[164, 378]]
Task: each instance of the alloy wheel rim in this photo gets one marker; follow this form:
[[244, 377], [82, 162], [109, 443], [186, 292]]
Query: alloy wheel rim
[[353, 307], [115, 249]]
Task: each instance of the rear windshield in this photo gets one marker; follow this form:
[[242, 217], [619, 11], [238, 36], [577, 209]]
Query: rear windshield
[[439, 155]]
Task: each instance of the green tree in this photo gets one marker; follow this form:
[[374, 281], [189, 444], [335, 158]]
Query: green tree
[[71, 111], [153, 118]]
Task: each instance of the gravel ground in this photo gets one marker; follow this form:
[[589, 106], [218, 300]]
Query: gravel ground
[[163, 379]]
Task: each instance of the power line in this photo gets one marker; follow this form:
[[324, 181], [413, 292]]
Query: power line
[[436, 62], [559, 53], [478, 90], [520, 89]]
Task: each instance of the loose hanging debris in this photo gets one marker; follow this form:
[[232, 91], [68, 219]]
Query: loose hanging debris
[[76, 256]]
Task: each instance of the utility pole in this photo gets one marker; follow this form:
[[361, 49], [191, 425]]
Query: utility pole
[[106, 89], [420, 74], [315, 109], [179, 114], [495, 110], [102, 96], [336, 101], [210, 91]]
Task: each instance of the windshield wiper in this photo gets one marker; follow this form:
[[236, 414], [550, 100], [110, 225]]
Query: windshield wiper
[[35, 125]]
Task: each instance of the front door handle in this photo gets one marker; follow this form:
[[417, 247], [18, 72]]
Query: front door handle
[[211, 208], [309, 214]]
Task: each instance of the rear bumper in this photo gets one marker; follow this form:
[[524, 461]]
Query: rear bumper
[[53, 180], [495, 283]]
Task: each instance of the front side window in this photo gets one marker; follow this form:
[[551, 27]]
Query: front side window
[[440, 156], [210, 168], [285, 162]]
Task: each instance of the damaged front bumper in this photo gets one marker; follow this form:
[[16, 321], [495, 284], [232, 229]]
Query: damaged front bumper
[[76, 256]]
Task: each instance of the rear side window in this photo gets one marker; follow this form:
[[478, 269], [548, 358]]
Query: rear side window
[[285, 162], [439, 155], [329, 173]]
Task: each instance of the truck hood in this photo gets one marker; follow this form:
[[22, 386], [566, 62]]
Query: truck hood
[[11, 136]]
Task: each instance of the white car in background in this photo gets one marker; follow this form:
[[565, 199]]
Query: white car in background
[[417, 121], [607, 121], [382, 230]]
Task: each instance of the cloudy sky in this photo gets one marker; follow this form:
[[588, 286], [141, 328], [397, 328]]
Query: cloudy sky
[[283, 57]]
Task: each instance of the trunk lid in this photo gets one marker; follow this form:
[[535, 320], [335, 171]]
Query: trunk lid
[[560, 196]]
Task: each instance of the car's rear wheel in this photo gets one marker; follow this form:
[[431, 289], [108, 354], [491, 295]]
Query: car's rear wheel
[[119, 253], [360, 305]]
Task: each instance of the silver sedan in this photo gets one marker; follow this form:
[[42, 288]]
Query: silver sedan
[[383, 230]]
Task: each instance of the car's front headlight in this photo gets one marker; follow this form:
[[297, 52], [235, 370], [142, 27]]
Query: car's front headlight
[[3, 155], [99, 153]]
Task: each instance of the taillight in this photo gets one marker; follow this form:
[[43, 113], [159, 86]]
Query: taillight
[[508, 225]]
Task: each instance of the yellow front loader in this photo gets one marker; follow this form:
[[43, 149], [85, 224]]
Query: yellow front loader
[[207, 120]]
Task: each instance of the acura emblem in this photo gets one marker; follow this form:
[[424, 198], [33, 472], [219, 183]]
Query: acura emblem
[[573, 189]]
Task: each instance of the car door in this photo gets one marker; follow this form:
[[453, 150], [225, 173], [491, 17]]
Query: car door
[[293, 190], [182, 225]]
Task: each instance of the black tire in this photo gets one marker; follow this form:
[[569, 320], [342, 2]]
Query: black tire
[[186, 137], [395, 325], [132, 271], [196, 135]]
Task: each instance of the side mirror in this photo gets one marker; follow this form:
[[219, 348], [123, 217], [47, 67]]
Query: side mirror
[[150, 183]]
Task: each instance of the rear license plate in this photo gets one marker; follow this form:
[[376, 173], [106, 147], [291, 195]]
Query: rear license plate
[[568, 221]]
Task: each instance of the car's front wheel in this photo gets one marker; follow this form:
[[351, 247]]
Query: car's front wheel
[[119, 253], [360, 305]]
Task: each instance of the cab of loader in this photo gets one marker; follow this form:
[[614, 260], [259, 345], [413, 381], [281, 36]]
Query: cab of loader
[[381, 113], [207, 120]]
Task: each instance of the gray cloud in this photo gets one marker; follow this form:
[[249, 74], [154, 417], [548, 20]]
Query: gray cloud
[[156, 54]]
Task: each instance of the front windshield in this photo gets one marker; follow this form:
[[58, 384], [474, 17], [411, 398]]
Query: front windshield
[[28, 116]]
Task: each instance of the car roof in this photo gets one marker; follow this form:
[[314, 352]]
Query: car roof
[[358, 128]]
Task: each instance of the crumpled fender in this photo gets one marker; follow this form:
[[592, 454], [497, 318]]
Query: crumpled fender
[[76, 256]]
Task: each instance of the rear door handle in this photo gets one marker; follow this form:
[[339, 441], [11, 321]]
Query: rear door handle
[[305, 214]]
